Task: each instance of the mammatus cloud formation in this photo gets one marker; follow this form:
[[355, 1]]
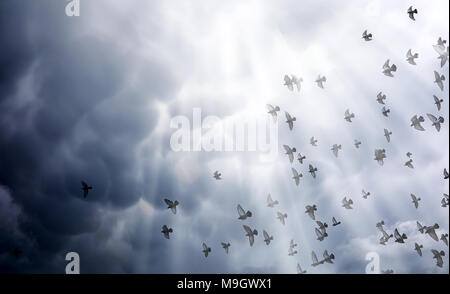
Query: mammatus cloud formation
[[91, 98]]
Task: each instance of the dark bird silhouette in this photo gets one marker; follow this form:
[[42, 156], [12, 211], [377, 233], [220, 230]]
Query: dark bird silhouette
[[85, 187], [335, 223], [166, 231], [411, 12]]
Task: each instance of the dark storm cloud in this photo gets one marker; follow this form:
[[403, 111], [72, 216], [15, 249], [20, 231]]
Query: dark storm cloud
[[82, 123]]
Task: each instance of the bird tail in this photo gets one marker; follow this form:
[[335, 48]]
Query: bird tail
[[170, 230], [404, 236], [255, 232], [442, 253], [415, 11], [249, 213], [271, 238], [275, 202]]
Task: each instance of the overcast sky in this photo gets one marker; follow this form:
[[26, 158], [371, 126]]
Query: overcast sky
[[91, 98]]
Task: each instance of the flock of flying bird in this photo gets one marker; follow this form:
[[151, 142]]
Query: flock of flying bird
[[380, 154], [293, 82]]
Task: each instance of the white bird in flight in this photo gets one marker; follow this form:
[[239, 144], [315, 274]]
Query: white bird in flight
[[336, 149], [347, 204], [348, 116], [416, 123], [381, 97], [273, 111], [242, 213], [367, 36], [296, 176], [415, 200], [410, 57], [438, 102], [267, 238], [250, 234], [282, 217], [409, 163], [271, 203], [290, 152], [389, 69], [172, 205], [320, 81], [380, 155], [436, 122], [290, 120], [439, 80], [387, 134]]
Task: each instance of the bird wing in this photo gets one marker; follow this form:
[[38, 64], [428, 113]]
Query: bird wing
[[204, 246], [386, 65], [288, 116], [247, 229], [433, 234], [334, 220], [432, 118], [444, 58], [287, 79], [297, 179], [318, 233], [270, 107], [266, 236], [240, 210], [409, 54], [418, 126], [314, 258], [291, 125], [387, 135], [251, 239], [269, 199], [438, 102], [397, 234], [168, 202]]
